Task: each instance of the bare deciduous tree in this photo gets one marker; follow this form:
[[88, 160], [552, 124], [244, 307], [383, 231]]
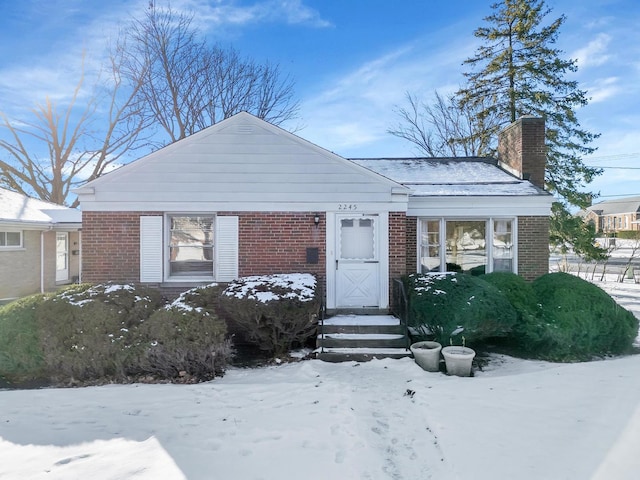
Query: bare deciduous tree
[[441, 128], [62, 146], [188, 85]]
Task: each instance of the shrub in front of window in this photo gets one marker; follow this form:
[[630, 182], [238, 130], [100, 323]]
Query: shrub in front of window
[[579, 320], [523, 298], [276, 312], [184, 340], [90, 333], [448, 306]]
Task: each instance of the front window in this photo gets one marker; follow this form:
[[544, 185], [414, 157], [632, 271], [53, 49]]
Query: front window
[[474, 246], [466, 246], [191, 246], [10, 239]]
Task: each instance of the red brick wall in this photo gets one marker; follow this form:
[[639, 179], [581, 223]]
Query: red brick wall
[[533, 246], [397, 244], [111, 246], [263, 251], [412, 244]]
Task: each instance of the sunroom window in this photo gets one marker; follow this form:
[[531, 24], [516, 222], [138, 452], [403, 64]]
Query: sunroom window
[[191, 246], [468, 245], [10, 239]]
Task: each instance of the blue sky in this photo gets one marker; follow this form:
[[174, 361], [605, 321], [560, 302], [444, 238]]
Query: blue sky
[[352, 61]]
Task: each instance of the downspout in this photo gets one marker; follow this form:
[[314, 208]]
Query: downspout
[[42, 261], [80, 257]]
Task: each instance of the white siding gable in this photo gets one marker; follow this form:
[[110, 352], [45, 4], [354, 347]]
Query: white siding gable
[[240, 164]]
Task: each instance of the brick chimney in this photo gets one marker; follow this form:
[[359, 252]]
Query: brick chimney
[[522, 149]]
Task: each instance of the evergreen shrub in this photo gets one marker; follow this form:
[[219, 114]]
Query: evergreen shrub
[[276, 312], [450, 306], [579, 320], [185, 339], [21, 356], [522, 297], [91, 332]]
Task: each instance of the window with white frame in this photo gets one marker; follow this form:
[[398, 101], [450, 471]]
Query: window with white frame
[[10, 239], [191, 246], [467, 245]]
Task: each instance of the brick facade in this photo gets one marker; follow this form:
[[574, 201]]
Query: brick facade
[[533, 246], [111, 244], [264, 250]]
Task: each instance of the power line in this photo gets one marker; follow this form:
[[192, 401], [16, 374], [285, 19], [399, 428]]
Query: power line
[[615, 168]]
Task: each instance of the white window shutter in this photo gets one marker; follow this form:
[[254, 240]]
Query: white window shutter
[[226, 248], [151, 249]]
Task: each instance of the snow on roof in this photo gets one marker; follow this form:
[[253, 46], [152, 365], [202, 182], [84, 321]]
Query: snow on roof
[[15, 207], [471, 176]]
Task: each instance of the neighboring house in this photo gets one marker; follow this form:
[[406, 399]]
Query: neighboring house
[[39, 245], [244, 197], [613, 216]]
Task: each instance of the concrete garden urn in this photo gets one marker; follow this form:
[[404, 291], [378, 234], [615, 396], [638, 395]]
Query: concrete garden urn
[[427, 355], [458, 360]]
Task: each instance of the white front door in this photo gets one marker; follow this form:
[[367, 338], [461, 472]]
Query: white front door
[[62, 256], [357, 261]]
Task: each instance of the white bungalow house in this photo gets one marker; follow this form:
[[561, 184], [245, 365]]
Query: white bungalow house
[[39, 245], [244, 197]]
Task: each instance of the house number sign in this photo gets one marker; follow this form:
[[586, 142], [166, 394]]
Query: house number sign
[[348, 206]]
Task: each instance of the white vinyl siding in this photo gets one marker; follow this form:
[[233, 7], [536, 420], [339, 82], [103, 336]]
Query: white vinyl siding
[[151, 249], [227, 248]]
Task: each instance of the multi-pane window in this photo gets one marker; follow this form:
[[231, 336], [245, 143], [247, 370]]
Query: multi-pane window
[[191, 246], [502, 246], [473, 246], [430, 245], [10, 239]]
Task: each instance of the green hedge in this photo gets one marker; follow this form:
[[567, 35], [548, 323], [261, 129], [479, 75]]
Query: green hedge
[[578, 321], [275, 312], [21, 356], [441, 304]]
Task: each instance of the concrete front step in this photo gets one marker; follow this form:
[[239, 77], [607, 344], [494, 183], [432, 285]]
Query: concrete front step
[[359, 354], [361, 338]]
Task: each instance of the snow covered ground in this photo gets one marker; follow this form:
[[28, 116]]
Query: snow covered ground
[[385, 419]]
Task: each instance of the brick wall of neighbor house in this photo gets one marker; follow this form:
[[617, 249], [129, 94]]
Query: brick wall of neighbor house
[[533, 246], [111, 246], [522, 148], [21, 268]]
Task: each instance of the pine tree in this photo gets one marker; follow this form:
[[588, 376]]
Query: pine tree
[[517, 71]]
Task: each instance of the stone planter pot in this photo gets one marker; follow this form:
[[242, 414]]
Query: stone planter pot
[[427, 355], [458, 360]]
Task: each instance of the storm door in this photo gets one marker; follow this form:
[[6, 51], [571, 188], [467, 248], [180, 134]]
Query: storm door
[[357, 261]]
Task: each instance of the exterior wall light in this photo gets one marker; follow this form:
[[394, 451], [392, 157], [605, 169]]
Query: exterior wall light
[[316, 220]]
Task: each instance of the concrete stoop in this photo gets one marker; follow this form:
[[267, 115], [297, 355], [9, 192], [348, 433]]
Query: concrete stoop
[[361, 338]]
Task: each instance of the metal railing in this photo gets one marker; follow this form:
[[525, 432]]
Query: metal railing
[[400, 307]]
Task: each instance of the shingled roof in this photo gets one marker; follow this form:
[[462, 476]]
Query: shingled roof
[[617, 206]]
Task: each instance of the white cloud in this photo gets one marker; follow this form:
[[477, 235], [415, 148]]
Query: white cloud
[[221, 13], [595, 53], [603, 89], [352, 113]]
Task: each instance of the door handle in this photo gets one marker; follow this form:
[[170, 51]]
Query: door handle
[[371, 261]]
